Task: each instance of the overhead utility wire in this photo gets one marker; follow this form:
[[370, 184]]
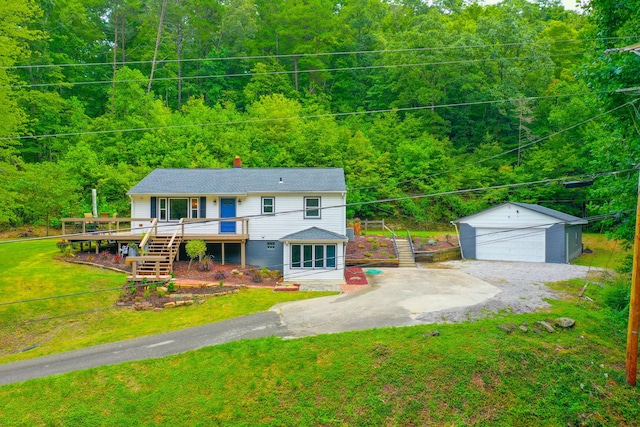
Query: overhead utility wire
[[504, 152], [311, 116], [273, 73], [301, 55]]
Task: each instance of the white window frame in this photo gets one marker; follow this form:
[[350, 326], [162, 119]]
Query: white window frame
[[315, 260], [309, 210], [164, 208], [264, 206]]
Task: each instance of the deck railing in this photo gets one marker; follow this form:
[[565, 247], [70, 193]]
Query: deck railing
[[110, 226]]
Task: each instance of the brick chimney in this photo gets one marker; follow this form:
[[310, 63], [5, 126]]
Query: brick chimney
[[237, 162]]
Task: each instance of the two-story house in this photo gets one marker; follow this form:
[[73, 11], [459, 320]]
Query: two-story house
[[288, 219]]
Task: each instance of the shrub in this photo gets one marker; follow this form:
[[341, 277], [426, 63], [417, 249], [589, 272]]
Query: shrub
[[206, 263], [375, 246], [90, 258], [256, 276], [62, 245], [391, 256], [220, 275], [361, 246], [195, 249], [371, 239], [367, 254], [171, 287], [384, 245]]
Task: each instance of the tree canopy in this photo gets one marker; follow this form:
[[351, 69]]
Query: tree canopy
[[415, 100]]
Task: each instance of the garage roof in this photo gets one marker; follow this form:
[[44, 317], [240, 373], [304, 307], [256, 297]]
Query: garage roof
[[561, 216]]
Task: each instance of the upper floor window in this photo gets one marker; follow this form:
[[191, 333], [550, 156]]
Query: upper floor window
[[268, 205], [312, 207]]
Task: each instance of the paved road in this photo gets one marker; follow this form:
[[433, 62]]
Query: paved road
[[154, 346], [396, 298]]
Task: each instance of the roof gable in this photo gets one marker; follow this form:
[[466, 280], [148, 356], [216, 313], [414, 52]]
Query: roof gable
[[314, 234], [240, 181], [552, 213]]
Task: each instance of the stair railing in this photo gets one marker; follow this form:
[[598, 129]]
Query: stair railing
[[413, 252], [145, 239]]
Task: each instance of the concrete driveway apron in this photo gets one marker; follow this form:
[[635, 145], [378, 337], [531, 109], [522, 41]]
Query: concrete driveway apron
[[394, 298]]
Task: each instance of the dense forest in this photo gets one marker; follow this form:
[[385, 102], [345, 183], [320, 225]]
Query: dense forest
[[434, 109]]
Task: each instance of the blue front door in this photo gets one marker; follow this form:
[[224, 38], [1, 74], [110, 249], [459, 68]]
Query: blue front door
[[227, 210]]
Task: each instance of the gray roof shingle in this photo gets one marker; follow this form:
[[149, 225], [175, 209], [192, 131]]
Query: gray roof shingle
[[240, 181], [314, 234]]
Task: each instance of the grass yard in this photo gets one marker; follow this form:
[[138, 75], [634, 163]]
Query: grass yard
[[60, 323], [472, 374], [605, 253]]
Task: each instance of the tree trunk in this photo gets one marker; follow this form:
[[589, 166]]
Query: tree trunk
[[158, 39]]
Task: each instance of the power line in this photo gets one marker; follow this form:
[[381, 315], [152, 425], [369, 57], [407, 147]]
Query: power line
[[271, 73], [302, 55], [504, 152], [305, 117]]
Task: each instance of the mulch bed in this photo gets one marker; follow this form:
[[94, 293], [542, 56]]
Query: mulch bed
[[370, 247], [435, 243], [355, 276], [191, 284]]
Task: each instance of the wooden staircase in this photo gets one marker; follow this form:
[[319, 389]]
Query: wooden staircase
[[157, 263], [405, 255]]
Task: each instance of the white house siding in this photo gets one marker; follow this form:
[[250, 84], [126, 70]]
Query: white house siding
[[289, 217], [511, 216], [302, 275]]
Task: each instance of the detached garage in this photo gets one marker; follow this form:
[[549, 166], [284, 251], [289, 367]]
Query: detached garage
[[521, 232]]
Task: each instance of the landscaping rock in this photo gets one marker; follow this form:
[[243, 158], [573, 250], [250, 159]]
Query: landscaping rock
[[508, 327], [435, 333], [162, 289], [546, 326], [169, 304], [188, 302], [565, 322], [523, 328], [180, 303]]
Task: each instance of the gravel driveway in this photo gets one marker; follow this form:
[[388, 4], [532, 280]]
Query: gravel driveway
[[522, 286]]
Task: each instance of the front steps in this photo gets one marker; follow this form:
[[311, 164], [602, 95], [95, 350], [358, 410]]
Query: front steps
[[405, 255]]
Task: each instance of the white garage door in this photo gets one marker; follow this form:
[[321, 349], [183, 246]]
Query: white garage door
[[510, 245]]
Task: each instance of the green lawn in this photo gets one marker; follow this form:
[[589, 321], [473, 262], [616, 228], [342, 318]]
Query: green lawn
[[472, 374], [605, 253], [29, 271]]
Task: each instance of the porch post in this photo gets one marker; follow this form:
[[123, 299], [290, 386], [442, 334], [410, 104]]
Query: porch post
[[242, 254], [222, 253]]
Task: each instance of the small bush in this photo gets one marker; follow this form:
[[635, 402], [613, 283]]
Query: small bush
[[367, 254], [171, 287], [391, 256], [384, 245], [375, 246], [220, 275], [160, 293], [361, 246], [383, 253], [371, 239], [146, 294], [206, 264], [90, 258], [195, 249], [256, 276], [62, 245]]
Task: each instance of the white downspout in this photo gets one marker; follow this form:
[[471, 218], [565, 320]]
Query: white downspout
[[459, 241]]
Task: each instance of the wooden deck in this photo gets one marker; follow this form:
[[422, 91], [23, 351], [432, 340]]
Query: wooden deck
[[109, 230], [120, 230]]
